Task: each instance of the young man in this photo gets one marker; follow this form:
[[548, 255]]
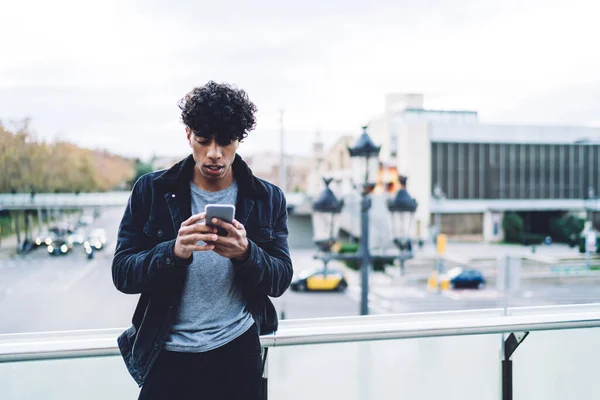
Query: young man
[[204, 298]]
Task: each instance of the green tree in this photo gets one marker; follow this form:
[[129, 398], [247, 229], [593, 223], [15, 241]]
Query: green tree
[[31, 164], [513, 226], [566, 229], [141, 168]]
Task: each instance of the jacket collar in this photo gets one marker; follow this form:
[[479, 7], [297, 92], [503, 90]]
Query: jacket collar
[[182, 172]]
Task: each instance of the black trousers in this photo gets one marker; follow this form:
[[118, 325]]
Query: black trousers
[[230, 372]]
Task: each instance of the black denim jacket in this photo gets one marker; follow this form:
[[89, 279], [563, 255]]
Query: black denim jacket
[[144, 261]]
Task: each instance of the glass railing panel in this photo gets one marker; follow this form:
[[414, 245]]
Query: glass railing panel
[[461, 368], [90, 378], [557, 365], [416, 361]]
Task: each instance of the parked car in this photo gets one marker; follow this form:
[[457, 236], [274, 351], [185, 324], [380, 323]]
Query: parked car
[[465, 278], [319, 280]]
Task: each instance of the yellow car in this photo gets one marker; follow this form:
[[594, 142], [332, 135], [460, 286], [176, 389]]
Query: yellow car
[[319, 280]]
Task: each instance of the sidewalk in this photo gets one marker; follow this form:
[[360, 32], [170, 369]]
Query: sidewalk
[[465, 253], [8, 247]]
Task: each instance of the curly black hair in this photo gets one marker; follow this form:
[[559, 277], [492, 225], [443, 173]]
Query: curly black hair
[[218, 110]]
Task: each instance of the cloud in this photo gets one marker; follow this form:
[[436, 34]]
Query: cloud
[[110, 73]]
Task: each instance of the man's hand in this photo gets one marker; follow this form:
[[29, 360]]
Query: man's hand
[[190, 233], [235, 244]]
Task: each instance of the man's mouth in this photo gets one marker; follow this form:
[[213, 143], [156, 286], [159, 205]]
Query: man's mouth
[[214, 168]]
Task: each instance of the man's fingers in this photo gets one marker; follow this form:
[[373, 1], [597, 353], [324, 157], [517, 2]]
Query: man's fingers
[[237, 224], [196, 228], [196, 247], [192, 239], [225, 225], [201, 228], [193, 219]]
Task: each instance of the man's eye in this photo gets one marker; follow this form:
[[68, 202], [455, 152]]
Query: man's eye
[[203, 142]]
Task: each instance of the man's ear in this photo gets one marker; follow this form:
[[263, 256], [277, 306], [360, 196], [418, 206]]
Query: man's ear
[[188, 134]]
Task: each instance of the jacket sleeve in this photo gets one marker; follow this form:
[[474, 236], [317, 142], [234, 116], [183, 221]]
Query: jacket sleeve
[[135, 268], [269, 266]]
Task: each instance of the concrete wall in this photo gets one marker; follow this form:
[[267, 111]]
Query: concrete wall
[[463, 226], [414, 161], [380, 135], [492, 226], [300, 232]]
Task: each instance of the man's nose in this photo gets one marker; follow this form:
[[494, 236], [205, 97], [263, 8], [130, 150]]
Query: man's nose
[[214, 151]]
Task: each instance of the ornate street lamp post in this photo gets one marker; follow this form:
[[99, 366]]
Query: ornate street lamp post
[[365, 156], [325, 219], [439, 196], [326, 210], [402, 209]]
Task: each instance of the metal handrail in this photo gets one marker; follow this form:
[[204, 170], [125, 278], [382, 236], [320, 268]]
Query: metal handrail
[[75, 344], [425, 329]]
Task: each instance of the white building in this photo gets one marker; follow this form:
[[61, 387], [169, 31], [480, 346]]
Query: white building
[[485, 170]]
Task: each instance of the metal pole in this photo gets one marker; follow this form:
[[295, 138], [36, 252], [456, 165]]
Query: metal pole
[[438, 224], [507, 386], [587, 253], [17, 229], [282, 166], [29, 227], [402, 265], [590, 220], [40, 221], [512, 342], [366, 257]]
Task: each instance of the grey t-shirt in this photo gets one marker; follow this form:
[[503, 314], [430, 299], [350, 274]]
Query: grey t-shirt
[[212, 311]]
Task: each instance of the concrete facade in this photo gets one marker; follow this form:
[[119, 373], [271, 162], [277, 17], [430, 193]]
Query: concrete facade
[[334, 163], [266, 166], [484, 170]]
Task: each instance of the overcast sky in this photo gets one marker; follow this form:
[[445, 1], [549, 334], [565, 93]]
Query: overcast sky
[[109, 73]]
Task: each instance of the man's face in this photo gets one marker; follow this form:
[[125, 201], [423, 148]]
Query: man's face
[[213, 160]]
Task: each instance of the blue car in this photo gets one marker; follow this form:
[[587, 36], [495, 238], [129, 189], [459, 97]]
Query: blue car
[[462, 278]]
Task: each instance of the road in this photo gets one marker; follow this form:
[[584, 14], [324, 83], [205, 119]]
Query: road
[[39, 292], [43, 293]]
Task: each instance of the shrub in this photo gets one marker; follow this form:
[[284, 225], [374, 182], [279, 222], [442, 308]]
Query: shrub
[[512, 224], [346, 248], [566, 229], [352, 248], [352, 264], [378, 265], [533, 239]]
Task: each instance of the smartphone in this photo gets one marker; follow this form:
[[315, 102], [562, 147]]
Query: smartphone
[[224, 212]]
